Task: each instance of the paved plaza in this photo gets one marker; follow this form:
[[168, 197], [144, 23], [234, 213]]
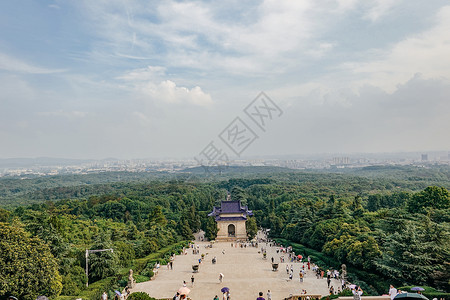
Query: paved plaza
[[245, 271]]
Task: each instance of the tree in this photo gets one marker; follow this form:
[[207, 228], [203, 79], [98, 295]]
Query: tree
[[102, 264], [252, 228], [27, 267], [140, 296], [193, 218], [4, 215], [408, 257], [357, 209], [211, 229], [185, 230], [432, 196], [74, 281], [238, 193], [156, 217]]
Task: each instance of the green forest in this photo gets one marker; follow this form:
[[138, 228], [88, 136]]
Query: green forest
[[387, 224]]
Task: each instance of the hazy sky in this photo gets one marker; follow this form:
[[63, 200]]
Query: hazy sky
[[144, 79]]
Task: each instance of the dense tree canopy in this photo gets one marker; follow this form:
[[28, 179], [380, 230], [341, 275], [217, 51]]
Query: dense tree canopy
[[27, 267], [379, 221]]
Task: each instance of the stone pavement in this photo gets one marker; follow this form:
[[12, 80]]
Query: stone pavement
[[245, 273]]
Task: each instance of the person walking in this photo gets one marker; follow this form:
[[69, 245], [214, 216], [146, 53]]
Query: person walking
[[104, 296], [269, 295], [260, 296], [221, 278], [192, 281], [392, 292]]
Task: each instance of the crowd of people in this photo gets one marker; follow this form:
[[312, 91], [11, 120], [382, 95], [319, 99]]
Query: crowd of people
[[302, 265]]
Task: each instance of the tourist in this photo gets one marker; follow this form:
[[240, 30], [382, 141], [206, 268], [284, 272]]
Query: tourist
[[290, 276], [184, 283], [328, 282], [272, 259], [357, 293], [287, 269], [269, 295], [301, 276], [192, 280], [171, 265], [260, 296], [392, 292], [104, 296], [224, 296], [216, 298], [221, 278]]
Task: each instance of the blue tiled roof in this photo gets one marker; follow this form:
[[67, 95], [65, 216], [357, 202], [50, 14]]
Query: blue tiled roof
[[230, 207], [219, 218]]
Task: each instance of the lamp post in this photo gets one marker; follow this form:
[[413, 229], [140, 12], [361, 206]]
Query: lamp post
[[87, 261]]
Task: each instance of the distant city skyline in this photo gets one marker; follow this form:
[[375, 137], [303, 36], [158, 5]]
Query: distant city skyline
[[163, 79]]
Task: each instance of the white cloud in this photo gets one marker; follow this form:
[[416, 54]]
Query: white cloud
[[425, 52], [144, 80], [380, 8], [12, 64], [144, 74], [169, 92]]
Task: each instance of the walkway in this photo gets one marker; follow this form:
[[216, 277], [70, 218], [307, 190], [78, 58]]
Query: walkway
[[245, 272]]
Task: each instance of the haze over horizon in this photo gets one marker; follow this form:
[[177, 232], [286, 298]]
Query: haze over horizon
[[138, 79]]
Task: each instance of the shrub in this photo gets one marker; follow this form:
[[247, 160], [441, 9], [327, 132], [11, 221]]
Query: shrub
[[140, 296], [148, 272]]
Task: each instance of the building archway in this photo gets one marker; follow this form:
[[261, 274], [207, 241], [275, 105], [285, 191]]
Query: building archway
[[231, 230]]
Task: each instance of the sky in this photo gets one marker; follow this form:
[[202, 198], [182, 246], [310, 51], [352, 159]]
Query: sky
[[170, 79]]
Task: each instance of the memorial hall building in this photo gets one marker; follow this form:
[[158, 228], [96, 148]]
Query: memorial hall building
[[230, 218]]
